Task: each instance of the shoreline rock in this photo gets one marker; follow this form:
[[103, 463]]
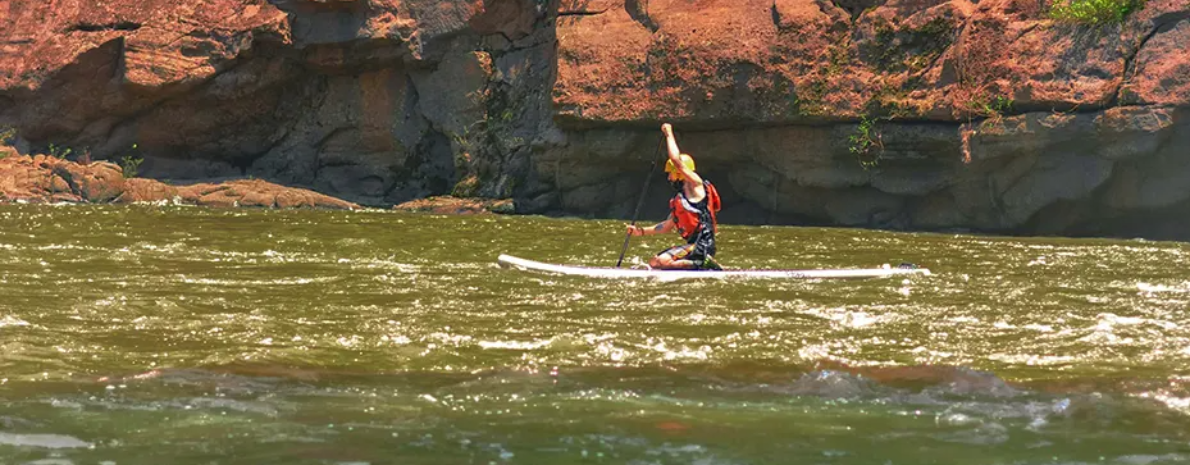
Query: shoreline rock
[[43, 179], [450, 205]]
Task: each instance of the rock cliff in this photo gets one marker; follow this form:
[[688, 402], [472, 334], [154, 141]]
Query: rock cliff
[[910, 114]]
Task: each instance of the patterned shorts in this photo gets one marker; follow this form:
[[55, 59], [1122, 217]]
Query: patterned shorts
[[696, 252]]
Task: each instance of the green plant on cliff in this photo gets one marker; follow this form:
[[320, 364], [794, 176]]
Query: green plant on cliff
[[809, 99], [58, 151], [467, 187], [891, 99], [1093, 12], [509, 188], [866, 142], [466, 145], [999, 105], [990, 106], [130, 165], [838, 56], [6, 135]]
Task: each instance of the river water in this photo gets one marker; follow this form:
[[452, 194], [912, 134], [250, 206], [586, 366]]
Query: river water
[[148, 335]]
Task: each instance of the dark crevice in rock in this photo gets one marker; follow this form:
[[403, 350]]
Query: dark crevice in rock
[[91, 27], [640, 13], [573, 7], [287, 5], [429, 169], [1063, 108], [322, 141], [581, 13], [246, 161], [857, 7], [776, 14], [995, 195], [437, 165], [507, 38], [70, 181], [1160, 24]]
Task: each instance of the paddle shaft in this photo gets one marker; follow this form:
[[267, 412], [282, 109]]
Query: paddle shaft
[[639, 203]]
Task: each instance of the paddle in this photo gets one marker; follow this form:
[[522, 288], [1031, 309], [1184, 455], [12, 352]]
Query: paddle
[[639, 203]]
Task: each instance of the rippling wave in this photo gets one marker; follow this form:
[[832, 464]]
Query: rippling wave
[[144, 334]]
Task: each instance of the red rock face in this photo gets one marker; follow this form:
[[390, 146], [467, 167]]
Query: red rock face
[[984, 115], [1160, 69], [729, 62], [119, 56], [724, 61]]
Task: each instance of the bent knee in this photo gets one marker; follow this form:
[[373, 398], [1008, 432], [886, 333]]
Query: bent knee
[[661, 261]]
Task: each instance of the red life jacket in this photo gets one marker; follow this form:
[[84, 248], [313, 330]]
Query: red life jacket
[[692, 217]]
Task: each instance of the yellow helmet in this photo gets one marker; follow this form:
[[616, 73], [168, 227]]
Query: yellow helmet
[[687, 161]]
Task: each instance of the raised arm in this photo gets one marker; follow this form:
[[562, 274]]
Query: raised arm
[[692, 180], [675, 156]]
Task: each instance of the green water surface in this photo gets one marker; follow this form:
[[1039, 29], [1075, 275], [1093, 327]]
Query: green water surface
[[176, 335]]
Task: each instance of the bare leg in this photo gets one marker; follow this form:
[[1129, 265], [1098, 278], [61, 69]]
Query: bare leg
[[665, 262]]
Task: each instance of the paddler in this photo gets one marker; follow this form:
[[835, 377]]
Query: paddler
[[691, 212]]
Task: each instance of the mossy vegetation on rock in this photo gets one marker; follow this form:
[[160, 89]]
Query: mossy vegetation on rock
[[910, 49], [1094, 12]]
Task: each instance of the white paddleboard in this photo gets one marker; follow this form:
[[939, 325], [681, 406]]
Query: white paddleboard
[[628, 273]]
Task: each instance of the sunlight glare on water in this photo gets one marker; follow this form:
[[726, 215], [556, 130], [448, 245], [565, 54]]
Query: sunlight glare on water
[[188, 335]]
